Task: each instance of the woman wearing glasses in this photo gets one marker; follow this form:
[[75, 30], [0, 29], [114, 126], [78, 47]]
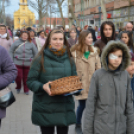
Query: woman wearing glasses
[[22, 52]]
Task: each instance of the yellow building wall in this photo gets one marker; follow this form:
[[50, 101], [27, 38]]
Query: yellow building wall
[[23, 14]]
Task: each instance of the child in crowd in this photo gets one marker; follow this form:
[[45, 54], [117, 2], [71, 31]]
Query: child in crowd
[[126, 37], [109, 107], [130, 70]]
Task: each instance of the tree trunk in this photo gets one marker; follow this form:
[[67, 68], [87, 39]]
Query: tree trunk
[[73, 14], [59, 5], [40, 18], [103, 9]]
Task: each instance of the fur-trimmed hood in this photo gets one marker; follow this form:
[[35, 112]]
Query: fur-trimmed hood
[[126, 54]]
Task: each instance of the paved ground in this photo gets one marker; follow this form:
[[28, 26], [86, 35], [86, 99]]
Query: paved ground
[[18, 119]]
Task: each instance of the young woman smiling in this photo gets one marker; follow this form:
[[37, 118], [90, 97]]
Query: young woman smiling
[[87, 61], [53, 62], [107, 33]]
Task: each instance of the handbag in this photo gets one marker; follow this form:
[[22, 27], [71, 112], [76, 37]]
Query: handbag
[[6, 97]]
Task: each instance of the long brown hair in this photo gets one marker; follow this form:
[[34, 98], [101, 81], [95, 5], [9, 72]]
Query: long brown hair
[[81, 46], [103, 37], [29, 38], [8, 37], [47, 43]]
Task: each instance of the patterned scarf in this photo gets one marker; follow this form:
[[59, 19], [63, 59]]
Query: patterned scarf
[[59, 52]]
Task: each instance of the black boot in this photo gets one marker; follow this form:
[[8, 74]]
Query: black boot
[[78, 129]]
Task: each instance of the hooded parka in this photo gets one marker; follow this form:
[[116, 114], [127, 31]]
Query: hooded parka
[[109, 108]]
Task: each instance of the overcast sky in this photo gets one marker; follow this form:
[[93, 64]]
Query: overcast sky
[[14, 6]]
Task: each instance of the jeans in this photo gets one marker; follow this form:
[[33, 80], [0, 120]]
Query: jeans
[[50, 130], [79, 111]]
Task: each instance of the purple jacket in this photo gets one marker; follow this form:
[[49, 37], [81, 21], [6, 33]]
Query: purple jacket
[[8, 72]]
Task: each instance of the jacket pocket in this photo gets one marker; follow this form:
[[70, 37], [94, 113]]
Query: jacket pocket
[[80, 74], [102, 94], [100, 126]]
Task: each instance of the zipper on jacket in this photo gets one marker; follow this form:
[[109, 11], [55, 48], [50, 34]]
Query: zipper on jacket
[[23, 53], [115, 104]]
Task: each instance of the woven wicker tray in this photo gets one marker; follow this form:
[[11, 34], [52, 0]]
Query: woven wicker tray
[[65, 85]]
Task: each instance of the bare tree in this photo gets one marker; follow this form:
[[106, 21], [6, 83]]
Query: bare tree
[[9, 20], [71, 7], [3, 4], [60, 2], [41, 6]]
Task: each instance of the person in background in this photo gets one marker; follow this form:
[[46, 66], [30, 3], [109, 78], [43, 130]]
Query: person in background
[[10, 32], [22, 52], [99, 36], [8, 73], [33, 37], [116, 34], [5, 40], [41, 40], [130, 70], [41, 28], [61, 28], [73, 38], [53, 62], [129, 27], [47, 31], [73, 26], [28, 29], [109, 107], [17, 35], [126, 37], [78, 30], [85, 27], [107, 33], [96, 31], [93, 33], [87, 60], [67, 34]]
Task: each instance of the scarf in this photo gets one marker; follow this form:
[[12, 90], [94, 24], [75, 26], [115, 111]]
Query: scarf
[[86, 54], [3, 36], [72, 41], [59, 52]]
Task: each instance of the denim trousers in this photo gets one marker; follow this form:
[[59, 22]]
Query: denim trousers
[[79, 112]]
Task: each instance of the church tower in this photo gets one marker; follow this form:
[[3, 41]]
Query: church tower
[[23, 17]]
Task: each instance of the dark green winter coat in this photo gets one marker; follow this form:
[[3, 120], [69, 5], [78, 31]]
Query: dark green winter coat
[[51, 110]]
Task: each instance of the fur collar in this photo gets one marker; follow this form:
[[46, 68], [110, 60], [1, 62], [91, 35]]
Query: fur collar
[[111, 45]]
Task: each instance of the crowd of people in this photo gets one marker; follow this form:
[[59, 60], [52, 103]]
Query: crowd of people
[[104, 61]]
